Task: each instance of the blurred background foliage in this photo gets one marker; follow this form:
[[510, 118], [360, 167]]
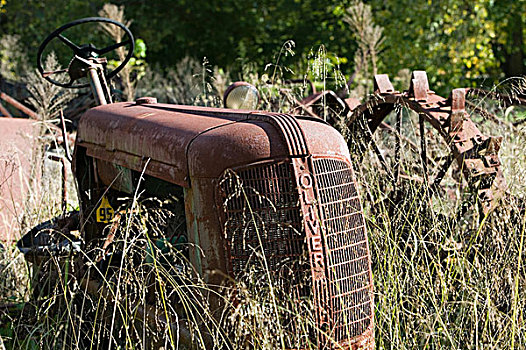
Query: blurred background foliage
[[459, 43]]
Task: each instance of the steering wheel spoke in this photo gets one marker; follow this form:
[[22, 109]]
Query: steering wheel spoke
[[112, 47], [69, 43], [47, 74]]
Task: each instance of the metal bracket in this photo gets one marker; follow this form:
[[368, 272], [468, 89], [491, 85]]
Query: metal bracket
[[419, 87], [458, 110], [458, 100], [382, 85]]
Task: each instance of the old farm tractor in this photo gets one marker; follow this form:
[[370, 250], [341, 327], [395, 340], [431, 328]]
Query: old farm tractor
[[244, 192]]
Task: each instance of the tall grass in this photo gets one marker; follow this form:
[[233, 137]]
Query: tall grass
[[446, 276]]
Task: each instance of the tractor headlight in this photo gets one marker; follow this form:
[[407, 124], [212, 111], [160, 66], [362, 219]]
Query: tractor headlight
[[241, 95]]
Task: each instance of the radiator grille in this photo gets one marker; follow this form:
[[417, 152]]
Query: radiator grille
[[261, 206], [262, 210], [348, 267]]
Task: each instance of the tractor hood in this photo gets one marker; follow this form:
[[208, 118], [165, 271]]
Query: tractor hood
[[176, 143]]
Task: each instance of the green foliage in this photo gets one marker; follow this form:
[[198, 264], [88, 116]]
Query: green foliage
[[140, 48], [33, 20], [138, 61], [451, 40], [459, 43], [224, 32], [137, 64], [13, 61]]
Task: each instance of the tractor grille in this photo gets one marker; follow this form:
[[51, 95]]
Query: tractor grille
[[348, 269], [262, 212]]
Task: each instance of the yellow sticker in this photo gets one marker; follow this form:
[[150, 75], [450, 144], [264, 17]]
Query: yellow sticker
[[104, 211]]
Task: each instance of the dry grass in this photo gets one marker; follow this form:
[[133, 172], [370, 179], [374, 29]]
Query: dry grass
[[47, 99], [445, 277]]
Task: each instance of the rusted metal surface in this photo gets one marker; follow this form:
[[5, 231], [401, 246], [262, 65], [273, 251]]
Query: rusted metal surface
[[18, 105], [65, 138], [129, 134], [145, 100], [247, 141], [207, 249], [352, 103], [251, 204], [300, 206], [382, 85], [290, 131], [175, 139], [237, 144], [348, 261], [97, 87], [325, 105], [18, 139], [419, 86], [476, 153], [314, 237], [4, 112], [333, 229]]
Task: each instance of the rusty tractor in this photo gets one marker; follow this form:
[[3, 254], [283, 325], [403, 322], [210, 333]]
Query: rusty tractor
[[249, 184]]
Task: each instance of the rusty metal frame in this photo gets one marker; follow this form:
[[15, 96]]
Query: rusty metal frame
[[17, 105], [316, 246], [220, 195], [475, 153]]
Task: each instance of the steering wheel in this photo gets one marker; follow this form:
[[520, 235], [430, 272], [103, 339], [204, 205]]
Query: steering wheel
[[85, 51]]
